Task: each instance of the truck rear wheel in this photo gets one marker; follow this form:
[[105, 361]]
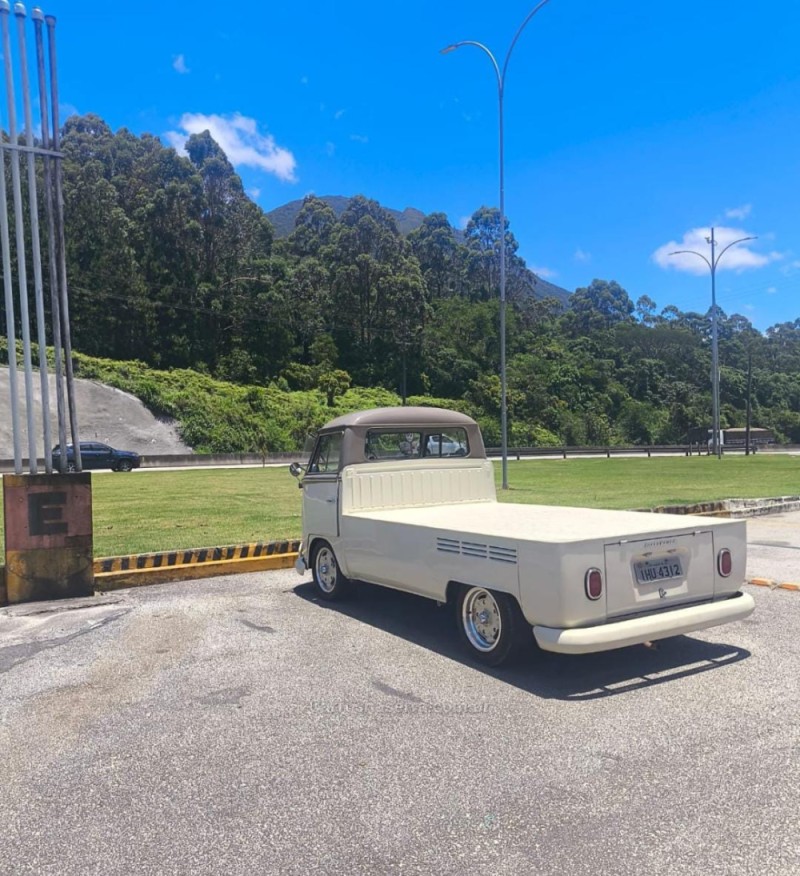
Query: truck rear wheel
[[328, 578], [491, 625]]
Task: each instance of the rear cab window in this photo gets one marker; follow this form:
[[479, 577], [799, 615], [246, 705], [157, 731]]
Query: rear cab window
[[454, 442], [415, 444]]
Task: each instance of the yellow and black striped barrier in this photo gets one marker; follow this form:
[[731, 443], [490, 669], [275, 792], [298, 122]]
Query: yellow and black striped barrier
[[115, 573], [774, 585]]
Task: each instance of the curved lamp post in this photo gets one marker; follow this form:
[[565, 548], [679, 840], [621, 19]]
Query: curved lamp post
[[712, 265], [501, 81]]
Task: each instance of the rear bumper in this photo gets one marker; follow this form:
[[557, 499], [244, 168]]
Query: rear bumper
[[619, 634]]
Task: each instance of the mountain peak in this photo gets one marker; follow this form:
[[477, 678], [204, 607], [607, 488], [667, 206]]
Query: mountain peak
[[283, 222], [283, 218]]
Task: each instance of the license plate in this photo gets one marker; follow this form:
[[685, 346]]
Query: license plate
[[651, 571]]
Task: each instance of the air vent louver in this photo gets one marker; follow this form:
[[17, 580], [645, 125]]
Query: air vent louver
[[477, 550], [448, 545], [473, 549], [502, 554]]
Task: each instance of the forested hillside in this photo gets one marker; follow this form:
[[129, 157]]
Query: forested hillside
[[171, 264]]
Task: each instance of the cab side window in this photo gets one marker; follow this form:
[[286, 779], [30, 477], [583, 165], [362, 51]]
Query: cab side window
[[327, 454]]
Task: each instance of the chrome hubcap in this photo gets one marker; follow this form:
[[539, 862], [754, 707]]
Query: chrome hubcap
[[326, 569], [481, 619]]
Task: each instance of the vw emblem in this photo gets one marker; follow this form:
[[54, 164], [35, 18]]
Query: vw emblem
[[662, 592]]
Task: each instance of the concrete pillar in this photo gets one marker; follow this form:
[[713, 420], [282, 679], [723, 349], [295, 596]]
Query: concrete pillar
[[48, 536]]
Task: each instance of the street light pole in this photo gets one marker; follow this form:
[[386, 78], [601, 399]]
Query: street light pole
[[501, 81], [715, 445]]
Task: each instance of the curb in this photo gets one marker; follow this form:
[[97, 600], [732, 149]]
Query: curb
[[774, 585], [732, 507], [139, 570]]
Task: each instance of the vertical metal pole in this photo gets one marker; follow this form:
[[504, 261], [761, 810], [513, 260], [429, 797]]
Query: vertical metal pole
[[405, 352], [501, 79], [55, 307], [503, 401], [714, 351], [22, 269], [36, 252], [61, 247], [8, 289], [749, 405]]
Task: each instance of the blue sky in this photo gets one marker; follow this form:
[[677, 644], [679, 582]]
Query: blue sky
[[630, 128]]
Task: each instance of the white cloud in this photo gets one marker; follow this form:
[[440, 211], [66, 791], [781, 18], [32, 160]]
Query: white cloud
[[330, 149], [359, 138], [463, 222], [338, 114], [254, 193], [179, 64], [739, 213], [239, 139], [738, 258], [544, 273], [771, 290], [582, 255]]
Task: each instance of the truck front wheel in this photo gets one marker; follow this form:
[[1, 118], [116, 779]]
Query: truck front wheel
[[328, 578], [491, 625]]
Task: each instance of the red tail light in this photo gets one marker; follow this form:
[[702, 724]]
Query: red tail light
[[724, 562], [593, 584]]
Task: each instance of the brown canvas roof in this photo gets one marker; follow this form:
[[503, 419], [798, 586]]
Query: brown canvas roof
[[357, 425], [399, 416]]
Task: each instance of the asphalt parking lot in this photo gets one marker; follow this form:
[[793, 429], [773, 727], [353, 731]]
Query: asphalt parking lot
[[773, 548], [239, 726]]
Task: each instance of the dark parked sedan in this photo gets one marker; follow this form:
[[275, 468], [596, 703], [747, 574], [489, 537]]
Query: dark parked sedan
[[96, 455]]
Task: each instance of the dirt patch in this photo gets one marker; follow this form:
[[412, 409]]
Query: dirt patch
[[104, 414]]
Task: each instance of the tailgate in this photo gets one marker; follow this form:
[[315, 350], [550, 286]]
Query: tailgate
[[657, 573]]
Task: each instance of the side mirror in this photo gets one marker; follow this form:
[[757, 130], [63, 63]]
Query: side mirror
[[295, 469]]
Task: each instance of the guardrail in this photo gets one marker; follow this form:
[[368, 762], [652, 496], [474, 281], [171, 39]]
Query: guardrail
[[177, 460], [154, 460], [616, 450]]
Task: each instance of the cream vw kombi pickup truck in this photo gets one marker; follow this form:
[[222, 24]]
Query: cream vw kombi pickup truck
[[405, 498]]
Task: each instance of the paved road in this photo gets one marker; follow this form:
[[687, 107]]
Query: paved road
[[773, 547], [238, 726]]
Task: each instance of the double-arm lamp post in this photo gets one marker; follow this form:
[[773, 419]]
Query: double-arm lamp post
[[501, 80], [712, 265]]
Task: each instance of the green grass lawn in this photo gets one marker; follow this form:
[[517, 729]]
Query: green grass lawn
[[164, 510], [638, 482]]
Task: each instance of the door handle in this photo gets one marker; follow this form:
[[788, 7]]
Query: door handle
[[330, 501]]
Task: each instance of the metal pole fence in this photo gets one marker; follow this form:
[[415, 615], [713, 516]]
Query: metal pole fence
[[31, 240]]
